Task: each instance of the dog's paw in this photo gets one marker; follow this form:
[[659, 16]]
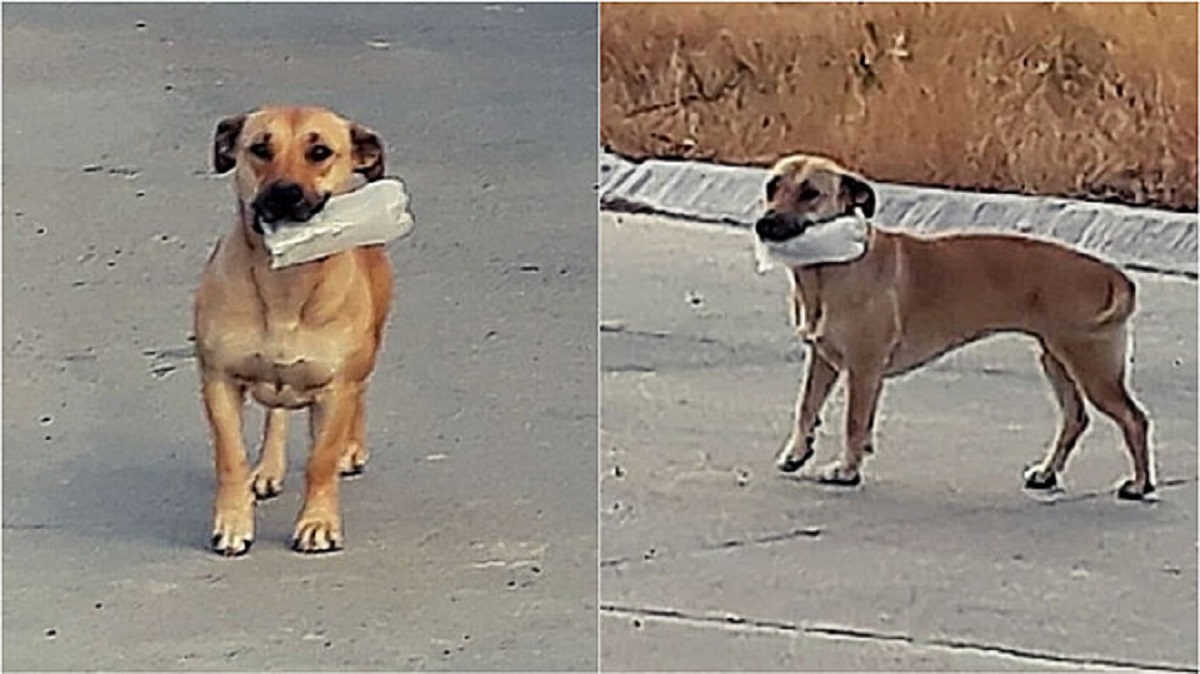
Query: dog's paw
[[317, 532], [1130, 491], [353, 461], [792, 457], [839, 474], [266, 485], [1040, 478], [233, 531], [790, 463]]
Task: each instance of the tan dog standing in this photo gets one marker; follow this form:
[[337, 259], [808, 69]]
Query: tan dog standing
[[304, 336], [910, 299]]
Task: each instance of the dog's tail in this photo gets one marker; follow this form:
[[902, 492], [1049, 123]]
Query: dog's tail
[[1122, 297]]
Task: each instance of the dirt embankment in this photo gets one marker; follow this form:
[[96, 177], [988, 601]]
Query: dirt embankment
[[1094, 101]]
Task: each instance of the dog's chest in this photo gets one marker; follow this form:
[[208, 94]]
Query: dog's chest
[[281, 367], [844, 320]]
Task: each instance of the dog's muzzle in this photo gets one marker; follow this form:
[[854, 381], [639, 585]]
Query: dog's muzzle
[[775, 227], [284, 200]]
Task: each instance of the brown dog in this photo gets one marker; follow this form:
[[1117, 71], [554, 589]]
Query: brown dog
[[910, 299], [300, 336]]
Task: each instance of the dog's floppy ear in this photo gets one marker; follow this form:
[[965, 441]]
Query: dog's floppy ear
[[367, 153], [859, 194], [225, 142]]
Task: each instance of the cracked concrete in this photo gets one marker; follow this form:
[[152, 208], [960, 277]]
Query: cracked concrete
[[713, 561]]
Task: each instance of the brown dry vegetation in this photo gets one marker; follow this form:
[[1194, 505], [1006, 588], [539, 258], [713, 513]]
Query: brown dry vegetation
[[1094, 101]]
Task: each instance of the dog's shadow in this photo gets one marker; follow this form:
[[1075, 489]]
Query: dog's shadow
[[162, 503], [963, 509], [153, 492]]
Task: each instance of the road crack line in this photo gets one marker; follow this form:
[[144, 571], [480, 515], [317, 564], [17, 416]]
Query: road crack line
[[729, 544], [734, 622], [806, 532]]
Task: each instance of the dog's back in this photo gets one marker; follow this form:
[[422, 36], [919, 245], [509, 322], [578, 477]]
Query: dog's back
[[1017, 283]]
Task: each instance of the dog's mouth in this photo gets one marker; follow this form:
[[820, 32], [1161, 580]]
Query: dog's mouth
[[798, 241], [283, 204], [775, 227]]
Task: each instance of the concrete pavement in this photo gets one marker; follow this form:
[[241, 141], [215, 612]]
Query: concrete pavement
[[711, 560], [472, 537]]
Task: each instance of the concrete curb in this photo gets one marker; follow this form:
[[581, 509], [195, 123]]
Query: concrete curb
[[1139, 238]]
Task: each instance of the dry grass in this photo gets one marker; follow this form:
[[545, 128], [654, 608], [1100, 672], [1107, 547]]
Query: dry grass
[[1096, 101]]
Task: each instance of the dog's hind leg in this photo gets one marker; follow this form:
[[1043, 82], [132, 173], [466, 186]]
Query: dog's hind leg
[[1044, 475], [818, 382], [272, 458], [1097, 362], [354, 456]]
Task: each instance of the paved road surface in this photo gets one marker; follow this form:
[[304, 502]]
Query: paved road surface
[[712, 560], [472, 536]]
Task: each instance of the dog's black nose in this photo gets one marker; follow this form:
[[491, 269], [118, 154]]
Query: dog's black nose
[[772, 227], [283, 200]]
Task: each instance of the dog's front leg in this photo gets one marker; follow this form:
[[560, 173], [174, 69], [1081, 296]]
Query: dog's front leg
[[818, 382], [863, 385], [319, 527], [233, 517]]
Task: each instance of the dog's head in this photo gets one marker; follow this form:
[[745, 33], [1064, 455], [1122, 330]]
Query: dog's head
[[804, 190], [290, 160]]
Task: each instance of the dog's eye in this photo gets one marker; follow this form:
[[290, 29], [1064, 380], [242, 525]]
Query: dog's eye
[[319, 153], [808, 193], [260, 150], [772, 187]]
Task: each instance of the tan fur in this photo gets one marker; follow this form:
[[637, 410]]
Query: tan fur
[[299, 337], [910, 299]]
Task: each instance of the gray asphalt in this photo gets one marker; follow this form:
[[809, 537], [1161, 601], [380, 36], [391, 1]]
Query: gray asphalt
[[472, 537], [713, 561]]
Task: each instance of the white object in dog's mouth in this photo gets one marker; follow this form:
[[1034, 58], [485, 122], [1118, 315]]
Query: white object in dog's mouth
[[376, 213], [839, 240]]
